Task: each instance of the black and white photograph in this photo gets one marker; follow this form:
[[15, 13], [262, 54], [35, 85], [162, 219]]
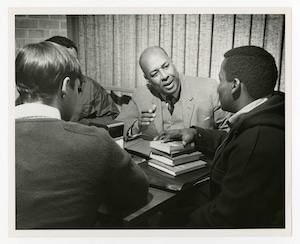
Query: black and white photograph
[[150, 122]]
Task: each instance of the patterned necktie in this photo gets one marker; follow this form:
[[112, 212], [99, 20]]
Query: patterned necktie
[[170, 101]]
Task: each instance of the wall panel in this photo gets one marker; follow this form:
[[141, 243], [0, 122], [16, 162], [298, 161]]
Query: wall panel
[[222, 41], [242, 30], [192, 40], [142, 36], [205, 44], [179, 38]]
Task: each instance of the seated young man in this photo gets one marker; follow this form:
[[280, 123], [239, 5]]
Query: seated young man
[[64, 170], [248, 172], [93, 100]]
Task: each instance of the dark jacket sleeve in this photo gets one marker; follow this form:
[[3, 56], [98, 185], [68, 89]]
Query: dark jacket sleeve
[[207, 141], [251, 180], [128, 183], [103, 103]]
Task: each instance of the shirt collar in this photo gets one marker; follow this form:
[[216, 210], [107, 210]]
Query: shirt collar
[[234, 118], [36, 110]]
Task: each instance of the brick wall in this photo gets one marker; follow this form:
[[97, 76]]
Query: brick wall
[[36, 28]]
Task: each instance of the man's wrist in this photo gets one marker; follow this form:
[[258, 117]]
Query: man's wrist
[[133, 131], [135, 128]]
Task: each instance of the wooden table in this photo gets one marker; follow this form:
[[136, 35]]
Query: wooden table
[[157, 201], [159, 198]]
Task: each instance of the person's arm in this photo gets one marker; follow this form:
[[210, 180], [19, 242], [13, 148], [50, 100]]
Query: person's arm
[[135, 121], [128, 184], [129, 115], [252, 189], [103, 105], [206, 141]]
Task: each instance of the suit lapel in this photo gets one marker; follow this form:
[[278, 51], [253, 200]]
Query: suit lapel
[[158, 121], [187, 102]]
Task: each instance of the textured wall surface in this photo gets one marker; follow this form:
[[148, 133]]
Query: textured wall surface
[[36, 28], [110, 45]]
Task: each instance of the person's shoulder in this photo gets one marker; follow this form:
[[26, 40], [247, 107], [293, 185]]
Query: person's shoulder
[[85, 130], [91, 82], [142, 92]]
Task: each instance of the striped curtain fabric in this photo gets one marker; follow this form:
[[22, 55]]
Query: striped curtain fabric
[[110, 45]]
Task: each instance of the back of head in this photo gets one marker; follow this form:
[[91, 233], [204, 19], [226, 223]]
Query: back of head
[[254, 67], [63, 41], [40, 69]]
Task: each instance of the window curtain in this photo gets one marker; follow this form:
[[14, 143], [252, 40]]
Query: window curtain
[[110, 45]]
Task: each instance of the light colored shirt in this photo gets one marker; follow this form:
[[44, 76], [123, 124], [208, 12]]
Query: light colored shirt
[[35, 110], [234, 118]]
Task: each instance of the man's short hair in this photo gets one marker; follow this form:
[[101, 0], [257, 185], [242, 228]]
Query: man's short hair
[[63, 41], [254, 67], [40, 69]]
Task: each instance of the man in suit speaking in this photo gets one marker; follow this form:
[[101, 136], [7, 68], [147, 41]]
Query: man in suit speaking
[[170, 100]]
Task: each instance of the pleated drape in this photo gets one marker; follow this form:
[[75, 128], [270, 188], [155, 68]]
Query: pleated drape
[[110, 45]]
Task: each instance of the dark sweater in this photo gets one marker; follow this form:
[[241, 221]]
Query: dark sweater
[[65, 170], [247, 177]]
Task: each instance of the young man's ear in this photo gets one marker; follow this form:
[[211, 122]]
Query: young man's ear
[[236, 85], [64, 87], [236, 88]]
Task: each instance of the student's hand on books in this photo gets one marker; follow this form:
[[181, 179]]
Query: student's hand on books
[[147, 116], [185, 135]]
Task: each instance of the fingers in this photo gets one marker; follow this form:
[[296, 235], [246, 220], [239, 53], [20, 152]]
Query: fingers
[[147, 116], [185, 135], [153, 108], [150, 110], [168, 135], [188, 136], [159, 136]]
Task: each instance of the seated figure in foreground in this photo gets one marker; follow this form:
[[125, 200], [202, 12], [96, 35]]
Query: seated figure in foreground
[[64, 170], [93, 100], [170, 100], [248, 173]]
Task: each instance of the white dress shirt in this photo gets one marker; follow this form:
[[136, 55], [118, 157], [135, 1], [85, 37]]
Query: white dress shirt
[[36, 110]]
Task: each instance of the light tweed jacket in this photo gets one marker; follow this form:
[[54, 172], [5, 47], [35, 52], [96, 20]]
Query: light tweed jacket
[[199, 100]]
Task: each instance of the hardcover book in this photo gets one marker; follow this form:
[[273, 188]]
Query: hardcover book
[[181, 159], [171, 146], [138, 147], [172, 154], [179, 169]]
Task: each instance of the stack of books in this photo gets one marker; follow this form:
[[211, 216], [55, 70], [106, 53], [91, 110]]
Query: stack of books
[[173, 158]]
